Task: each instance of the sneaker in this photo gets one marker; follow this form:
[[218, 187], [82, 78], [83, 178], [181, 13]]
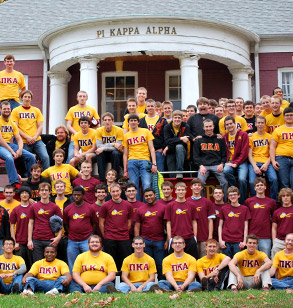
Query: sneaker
[[265, 288], [204, 283], [111, 289], [234, 290], [16, 185], [179, 176], [53, 292], [15, 289], [27, 292], [155, 287]]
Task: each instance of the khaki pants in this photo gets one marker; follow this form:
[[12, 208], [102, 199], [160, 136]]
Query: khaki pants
[[201, 248], [278, 245]]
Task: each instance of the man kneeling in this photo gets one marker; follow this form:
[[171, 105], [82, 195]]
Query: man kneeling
[[48, 275], [253, 268]]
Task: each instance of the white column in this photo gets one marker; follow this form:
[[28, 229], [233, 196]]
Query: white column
[[241, 82], [58, 99], [89, 79], [189, 80]]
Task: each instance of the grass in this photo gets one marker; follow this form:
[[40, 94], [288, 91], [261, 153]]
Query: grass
[[250, 298]]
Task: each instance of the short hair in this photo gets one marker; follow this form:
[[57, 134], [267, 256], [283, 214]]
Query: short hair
[[101, 187], [232, 189], [8, 238], [9, 186], [223, 99], [230, 101], [259, 180], [138, 238], [288, 235], [150, 100], [132, 117], [239, 98], [82, 91], [177, 113], [149, 189], [141, 89], [211, 241], [178, 237], [131, 99], [276, 89], [219, 106], [229, 118], [63, 127], [24, 189], [83, 119], [192, 106], [108, 114], [196, 181], [86, 162], [130, 185], [252, 237], [287, 110], [167, 103], [59, 151], [78, 188], [167, 184], [220, 188], [95, 236], [180, 184], [277, 97], [59, 182], [249, 103], [283, 192], [36, 167], [202, 100], [6, 103], [158, 104], [213, 102], [44, 184], [115, 185], [260, 117], [207, 121], [9, 57], [25, 92], [265, 97], [112, 170], [51, 246]]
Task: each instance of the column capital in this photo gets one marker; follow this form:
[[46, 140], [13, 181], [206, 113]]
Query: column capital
[[186, 55], [241, 70], [89, 63], [59, 77]]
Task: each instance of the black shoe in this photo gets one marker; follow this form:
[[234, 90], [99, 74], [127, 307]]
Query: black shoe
[[15, 289], [204, 283], [111, 289]]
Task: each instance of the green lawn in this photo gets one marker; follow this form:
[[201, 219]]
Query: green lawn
[[251, 298]]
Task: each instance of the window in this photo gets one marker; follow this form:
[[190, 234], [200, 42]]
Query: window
[[117, 87], [285, 81]]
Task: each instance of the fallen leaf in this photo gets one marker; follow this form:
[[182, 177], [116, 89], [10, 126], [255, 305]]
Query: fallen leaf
[[251, 296], [261, 297], [174, 296], [52, 295], [289, 291], [67, 304], [75, 300]]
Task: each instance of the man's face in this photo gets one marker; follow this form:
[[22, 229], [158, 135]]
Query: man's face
[[208, 128], [203, 108], [131, 193], [211, 109], [131, 106], [150, 107], [77, 197], [95, 245], [9, 194], [257, 110], [115, 193], [100, 194], [178, 245], [233, 197], [50, 254], [36, 174], [231, 108], [8, 246], [289, 241], [9, 63], [133, 123], [108, 122], [286, 199], [44, 192], [279, 92], [60, 188], [86, 168], [141, 95], [110, 177], [275, 104], [81, 98], [158, 110], [260, 188], [185, 116], [84, 125], [288, 118], [180, 191], [26, 98], [24, 196], [58, 158], [6, 110], [218, 195], [150, 197], [239, 104], [196, 188], [177, 120], [138, 246], [230, 126], [251, 246], [167, 111], [61, 134], [219, 112], [266, 104], [190, 111], [167, 191], [211, 249], [260, 124], [249, 111]]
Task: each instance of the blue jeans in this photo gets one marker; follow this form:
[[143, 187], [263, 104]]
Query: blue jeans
[[175, 161], [44, 285], [6, 288], [74, 249], [1, 249], [9, 161], [70, 152], [13, 103], [285, 171], [160, 158], [125, 288], [242, 171], [231, 249], [164, 284], [285, 283], [39, 148], [115, 157], [75, 287], [155, 249], [136, 168], [272, 177], [265, 245]]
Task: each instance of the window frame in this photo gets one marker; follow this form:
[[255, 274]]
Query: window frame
[[280, 81]]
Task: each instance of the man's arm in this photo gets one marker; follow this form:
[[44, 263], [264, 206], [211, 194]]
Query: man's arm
[[30, 244], [12, 233], [274, 230], [68, 279], [273, 147], [110, 277], [220, 228], [24, 281], [194, 227], [243, 244], [19, 144], [267, 264], [211, 227], [129, 224], [189, 279], [125, 161], [168, 227], [234, 270], [102, 225], [136, 228], [253, 163], [6, 146], [128, 282], [153, 155], [76, 277], [170, 278], [70, 128], [151, 279]]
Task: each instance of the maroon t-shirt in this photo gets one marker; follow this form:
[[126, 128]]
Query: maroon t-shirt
[[135, 205], [205, 208], [41, 214], [163, 202], [181, 215], [89, 187], [261, 211], [283, 217], [20, 217], [116, 219], [234, 219], [217, 220], [151, 219], [80, 221]]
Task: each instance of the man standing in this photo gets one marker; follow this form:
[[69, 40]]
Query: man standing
[[109, 139], [9, 203], [167, 110], [12, 83], [93, 270], [30, 122], [149, 224], [218, 196], [167, 190], [9, 151], [278, 91], [101, 192], [276, 118], [138, 149], [239, 104], [248, 108], [253, 268], [141, 95]]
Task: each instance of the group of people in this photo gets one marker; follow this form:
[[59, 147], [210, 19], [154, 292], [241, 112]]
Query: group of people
[[93, 226]]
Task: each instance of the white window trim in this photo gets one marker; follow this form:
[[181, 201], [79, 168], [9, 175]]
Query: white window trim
[[283, 70]]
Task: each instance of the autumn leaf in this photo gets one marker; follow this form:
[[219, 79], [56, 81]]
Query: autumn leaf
[[174, 296], [67, 304], [251, 296]]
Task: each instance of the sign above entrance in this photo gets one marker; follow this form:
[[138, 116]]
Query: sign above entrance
[[126, 31]]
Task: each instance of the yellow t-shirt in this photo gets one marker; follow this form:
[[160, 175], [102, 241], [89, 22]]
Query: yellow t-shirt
[[249, 264], [141, 109], [58, 144], [125, 123], [8, 266], [176, 130], [116, 134], [10, 84], [179, 266], [44, 270], [284, 263], [151, 122], [207, 266], [283, 135], [27, 119], [137, 144], [260, 146], [139, 269], [285, 104], [94, 269], [240, 124], [264, 113], [85, 142], [63, 172], [9, 206], [76, 112], [273, 122], [8, 130], [231, 141]]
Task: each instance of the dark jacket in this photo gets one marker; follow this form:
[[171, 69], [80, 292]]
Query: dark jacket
[[35, 187], [209, 151], [195, 123], [240, 148], [172, 139], [158, 131], [49, 141], [4, 223]]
